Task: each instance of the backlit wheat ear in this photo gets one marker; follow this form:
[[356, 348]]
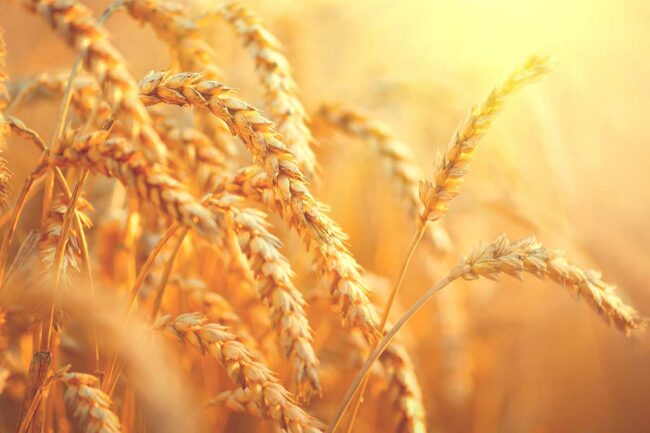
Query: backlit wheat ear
[[116, 157], [397, 158], [298, 205], [404, 390], [243, 369], [76, 24], [280, 89], [274, 277], [452, 167], [89, 404], [528, 255]]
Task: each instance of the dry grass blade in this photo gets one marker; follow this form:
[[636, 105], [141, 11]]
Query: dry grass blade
[[452, 167], [280, 89], [243, 369], [5, 174]]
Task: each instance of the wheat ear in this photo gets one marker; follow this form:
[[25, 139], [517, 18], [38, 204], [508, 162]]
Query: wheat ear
[[117, 157], [452, 167], [242, 367], [274, 276], [280, 89], [76, 24]]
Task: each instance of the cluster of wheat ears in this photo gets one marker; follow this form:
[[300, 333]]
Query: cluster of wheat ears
[[178, 249]]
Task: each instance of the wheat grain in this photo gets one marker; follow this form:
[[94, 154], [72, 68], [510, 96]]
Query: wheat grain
[[76, 24], [452, 167], [242, 368]]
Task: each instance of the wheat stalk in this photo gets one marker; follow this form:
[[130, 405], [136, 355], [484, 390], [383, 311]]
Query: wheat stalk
[[76, 24], [280, 89], [242, 368], [452, 167], [528, 255]]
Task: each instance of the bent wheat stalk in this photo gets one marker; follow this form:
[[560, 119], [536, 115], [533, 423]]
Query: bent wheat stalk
[[116, 157]]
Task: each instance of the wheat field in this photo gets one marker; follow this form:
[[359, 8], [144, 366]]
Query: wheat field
[[324, 216]]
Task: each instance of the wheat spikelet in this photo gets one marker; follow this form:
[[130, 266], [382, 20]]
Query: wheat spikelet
[[51, 235], [396, 155], [76, 24], [89, 404], [451, 168], [528, 255], [274, 72], [274, 275], [298, 205], [242, 368], [116, 157]]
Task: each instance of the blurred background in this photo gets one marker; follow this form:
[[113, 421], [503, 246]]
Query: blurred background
[[568, 161]]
